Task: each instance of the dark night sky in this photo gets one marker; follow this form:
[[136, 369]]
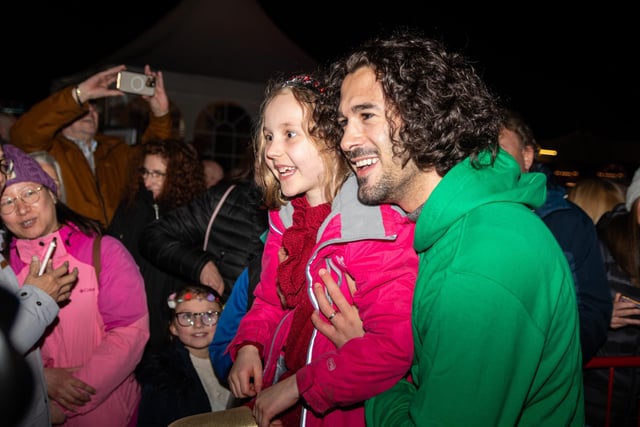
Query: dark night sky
[[564, 71]]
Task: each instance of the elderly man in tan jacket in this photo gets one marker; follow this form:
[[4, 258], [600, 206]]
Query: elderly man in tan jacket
[[95, 167]]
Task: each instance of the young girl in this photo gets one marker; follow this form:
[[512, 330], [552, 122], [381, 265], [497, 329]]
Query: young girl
[[317, 222], [179, 380], [99, 334]]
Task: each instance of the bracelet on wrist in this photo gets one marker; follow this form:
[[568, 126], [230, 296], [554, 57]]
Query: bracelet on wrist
[[77, 92]]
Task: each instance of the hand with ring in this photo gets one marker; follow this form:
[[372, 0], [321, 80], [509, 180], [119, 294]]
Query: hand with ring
[[341, 328]]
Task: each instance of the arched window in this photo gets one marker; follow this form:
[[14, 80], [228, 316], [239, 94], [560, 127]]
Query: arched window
[[223, 131]]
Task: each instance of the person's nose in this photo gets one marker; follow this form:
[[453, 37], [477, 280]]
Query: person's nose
[[351, 138], [197, 322], [273, 149], [21, 206]]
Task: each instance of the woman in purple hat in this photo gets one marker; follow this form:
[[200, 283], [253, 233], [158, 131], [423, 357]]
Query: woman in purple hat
[[101, 330]]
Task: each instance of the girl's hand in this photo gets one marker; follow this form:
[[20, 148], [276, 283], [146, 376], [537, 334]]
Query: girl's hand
[[247, 366], [622, 313]]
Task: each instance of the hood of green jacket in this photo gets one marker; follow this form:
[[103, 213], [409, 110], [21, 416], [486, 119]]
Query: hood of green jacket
[[466, 187]]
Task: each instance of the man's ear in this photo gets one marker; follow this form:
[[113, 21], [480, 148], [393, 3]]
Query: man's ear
[[529, 155]]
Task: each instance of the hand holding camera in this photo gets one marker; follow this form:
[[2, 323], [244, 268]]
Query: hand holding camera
[[136, 83], [149, 85], [98, 85], [117, 81]]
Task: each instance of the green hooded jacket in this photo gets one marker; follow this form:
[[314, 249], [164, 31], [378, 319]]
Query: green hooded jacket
[[495, 319]]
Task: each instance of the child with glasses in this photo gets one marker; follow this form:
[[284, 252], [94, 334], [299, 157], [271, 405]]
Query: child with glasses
[[179, 380]]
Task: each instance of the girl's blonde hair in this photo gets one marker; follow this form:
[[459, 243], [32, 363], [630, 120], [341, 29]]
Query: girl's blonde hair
[[596, 196], [307, 91]]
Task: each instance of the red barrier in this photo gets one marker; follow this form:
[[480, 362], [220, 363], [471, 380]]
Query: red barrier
[[613, 362]]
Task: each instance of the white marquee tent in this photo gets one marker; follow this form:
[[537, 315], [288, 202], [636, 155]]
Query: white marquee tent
[[213, 51]]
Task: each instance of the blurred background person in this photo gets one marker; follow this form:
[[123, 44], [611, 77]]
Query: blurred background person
[[50, 165], [167, 175], [213, 171], [7, 120], [95, 167], [574, 231], [98, 337], [619, 231], [179, 381], [596, 196]]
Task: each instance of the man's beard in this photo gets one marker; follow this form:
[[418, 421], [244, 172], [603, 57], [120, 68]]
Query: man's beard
[[370, 193]]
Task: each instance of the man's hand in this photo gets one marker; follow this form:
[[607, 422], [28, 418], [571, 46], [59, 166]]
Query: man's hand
[[58, 282], [344, 320], [159, 102], [100, 85]]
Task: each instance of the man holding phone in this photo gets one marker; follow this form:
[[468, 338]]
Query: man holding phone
[[95, 167]]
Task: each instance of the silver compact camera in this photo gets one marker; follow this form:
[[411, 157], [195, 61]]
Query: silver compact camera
[[136, 83]]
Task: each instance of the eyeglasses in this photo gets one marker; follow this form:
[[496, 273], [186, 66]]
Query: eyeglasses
[[208, 318], [28, 195], [153, 174], [6, 166]]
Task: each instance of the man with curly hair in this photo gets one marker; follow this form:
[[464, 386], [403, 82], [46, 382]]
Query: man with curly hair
[[495, 319]]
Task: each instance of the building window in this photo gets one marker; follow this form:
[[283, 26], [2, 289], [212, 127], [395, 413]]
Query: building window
[[223, 131]]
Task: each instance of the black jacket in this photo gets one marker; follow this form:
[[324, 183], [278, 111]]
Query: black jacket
[[174, 242], [127, 226], [171, 388]]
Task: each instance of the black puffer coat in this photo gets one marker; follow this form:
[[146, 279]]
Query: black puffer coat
[[174, 242], [127, 226]]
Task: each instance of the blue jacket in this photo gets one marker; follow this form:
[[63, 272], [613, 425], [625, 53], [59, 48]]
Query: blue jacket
[[235, 308], [575, 232]]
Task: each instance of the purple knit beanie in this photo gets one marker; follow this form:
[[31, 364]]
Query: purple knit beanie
[[26, 169]]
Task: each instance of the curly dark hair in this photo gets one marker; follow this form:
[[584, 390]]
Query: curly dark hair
[[185, 173], [307, 89], [447, 112]]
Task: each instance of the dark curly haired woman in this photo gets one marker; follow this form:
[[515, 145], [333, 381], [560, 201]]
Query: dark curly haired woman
[[168, 174]]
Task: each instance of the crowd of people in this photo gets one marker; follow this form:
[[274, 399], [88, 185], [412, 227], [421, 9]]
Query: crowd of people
[[392, 253]]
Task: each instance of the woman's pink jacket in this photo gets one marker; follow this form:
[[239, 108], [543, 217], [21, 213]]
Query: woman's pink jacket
[[103, 328]]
